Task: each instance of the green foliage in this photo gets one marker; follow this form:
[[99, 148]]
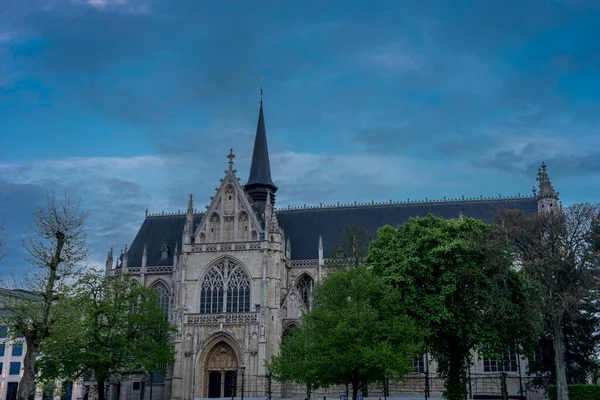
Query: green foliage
[[354, 334], [107, 326], [455, 277], [577, 392]]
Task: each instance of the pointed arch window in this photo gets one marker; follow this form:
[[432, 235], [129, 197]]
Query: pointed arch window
[[305, 286], [225, 288], [163, 296]]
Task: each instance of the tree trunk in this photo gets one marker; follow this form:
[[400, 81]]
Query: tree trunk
[[354, 391], [101, 382], [26, 386], [455, 387], [562, 390]]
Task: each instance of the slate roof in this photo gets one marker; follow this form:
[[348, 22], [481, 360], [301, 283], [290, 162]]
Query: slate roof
[[304, 225], [155, 231]]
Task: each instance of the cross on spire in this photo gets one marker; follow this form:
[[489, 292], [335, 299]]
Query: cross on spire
[[231, 156]]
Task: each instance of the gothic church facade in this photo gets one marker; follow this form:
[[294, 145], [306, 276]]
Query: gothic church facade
[[234, 277]]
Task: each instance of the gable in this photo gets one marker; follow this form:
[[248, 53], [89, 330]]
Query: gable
[[229, 217], [292, 306]]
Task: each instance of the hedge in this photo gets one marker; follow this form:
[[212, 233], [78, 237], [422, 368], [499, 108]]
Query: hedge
[[578, 392]]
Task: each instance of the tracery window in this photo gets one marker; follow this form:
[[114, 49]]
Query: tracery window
[[305, 286], [288, 331], [226, 277], [163, 296]]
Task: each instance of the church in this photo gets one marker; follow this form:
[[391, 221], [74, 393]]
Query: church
[[234, 277]]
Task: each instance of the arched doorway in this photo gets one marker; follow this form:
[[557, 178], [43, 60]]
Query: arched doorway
[[221, 371]]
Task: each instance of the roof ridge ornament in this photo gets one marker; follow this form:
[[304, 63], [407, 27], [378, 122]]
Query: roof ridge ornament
[[231, 156]]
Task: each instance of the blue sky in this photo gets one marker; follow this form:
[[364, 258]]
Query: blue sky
[[133, 104]]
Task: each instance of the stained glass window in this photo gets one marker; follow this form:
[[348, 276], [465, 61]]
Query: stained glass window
[[225, 277]]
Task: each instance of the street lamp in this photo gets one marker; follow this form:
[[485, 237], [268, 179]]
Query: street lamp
[[243, 370]]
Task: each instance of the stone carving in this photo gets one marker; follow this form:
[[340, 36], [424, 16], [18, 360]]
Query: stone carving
[[222, 358]]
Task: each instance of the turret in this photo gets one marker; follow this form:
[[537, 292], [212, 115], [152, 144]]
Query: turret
[[125, 256], [109, 262], [259, 183], [188, 230], [144, 259], [546, 196]]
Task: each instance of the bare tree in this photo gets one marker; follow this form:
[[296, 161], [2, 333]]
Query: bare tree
[[56, 247], [351, 250], [558, 250]]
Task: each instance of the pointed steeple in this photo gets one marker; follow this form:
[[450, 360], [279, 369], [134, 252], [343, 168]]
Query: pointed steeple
[[109, 262], [125, 257], [259, 181], [144, 259], [188, 229]]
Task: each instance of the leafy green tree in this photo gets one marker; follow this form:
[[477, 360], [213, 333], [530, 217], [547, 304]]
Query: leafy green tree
[[558, 251], [353, 335], [109, 325], [352, 249], [455, 277], [56, 247]]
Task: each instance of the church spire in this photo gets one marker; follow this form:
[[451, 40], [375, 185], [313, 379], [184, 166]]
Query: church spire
[[260, 183]]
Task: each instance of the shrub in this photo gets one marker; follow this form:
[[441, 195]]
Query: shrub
[[577, 392]]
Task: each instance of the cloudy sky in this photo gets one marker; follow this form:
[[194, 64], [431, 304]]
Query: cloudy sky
[[134, 104]]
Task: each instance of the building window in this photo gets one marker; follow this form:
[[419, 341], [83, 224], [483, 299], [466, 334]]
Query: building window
[[17, 350], [305, 286], [163, 296], [418, 363], [225, 277], [15, 368], [508, 362], [3, 332], [2, 349], [136, 385]]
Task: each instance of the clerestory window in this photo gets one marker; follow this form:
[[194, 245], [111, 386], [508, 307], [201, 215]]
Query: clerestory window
[[225, 288], [305, 286], [163, 296]]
